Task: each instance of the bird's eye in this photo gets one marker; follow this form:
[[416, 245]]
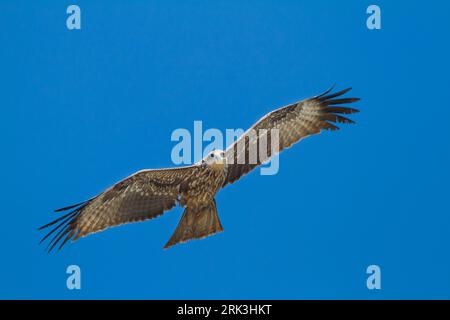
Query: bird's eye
[[211, 156]]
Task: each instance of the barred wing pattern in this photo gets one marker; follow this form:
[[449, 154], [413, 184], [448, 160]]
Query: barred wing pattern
[[293, 123], [142, 196]]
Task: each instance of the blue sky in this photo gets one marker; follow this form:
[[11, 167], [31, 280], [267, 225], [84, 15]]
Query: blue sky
[[82, 109]]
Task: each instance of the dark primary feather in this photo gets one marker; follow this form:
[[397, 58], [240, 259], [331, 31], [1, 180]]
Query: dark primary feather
[[71, 207], [293, 122], [64, 227]]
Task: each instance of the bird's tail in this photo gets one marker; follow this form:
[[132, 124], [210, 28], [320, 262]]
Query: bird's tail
[[196, 224]]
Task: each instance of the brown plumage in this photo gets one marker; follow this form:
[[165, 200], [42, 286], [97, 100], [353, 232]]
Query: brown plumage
[[148, 194]]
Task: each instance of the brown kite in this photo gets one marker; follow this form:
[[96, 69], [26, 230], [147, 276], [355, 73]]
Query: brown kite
[[147, 194]]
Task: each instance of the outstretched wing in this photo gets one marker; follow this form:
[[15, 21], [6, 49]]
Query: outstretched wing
[[143, 195], [291, 124]]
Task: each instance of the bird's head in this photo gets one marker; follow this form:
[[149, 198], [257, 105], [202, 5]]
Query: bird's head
[[215, 158]]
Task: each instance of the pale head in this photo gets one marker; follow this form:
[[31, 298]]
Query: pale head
[[215, 158]]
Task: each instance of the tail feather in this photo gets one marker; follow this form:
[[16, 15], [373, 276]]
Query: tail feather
[[196, 224]]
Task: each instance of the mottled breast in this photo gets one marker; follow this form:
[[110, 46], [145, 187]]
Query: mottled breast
[[203, 187]]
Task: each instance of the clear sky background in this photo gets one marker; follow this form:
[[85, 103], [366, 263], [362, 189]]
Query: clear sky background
[[83, 109]]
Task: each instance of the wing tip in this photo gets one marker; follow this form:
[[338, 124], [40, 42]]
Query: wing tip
[[325, 92], [72, 206], [327, 95], [332, 106], [65, 227]]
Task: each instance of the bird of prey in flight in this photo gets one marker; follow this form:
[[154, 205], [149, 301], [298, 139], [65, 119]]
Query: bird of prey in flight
[[147, 194]]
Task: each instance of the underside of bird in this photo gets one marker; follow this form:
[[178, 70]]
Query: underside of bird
[[148, 194]]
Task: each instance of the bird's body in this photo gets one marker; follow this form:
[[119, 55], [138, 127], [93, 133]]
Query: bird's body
[[149, 193]]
